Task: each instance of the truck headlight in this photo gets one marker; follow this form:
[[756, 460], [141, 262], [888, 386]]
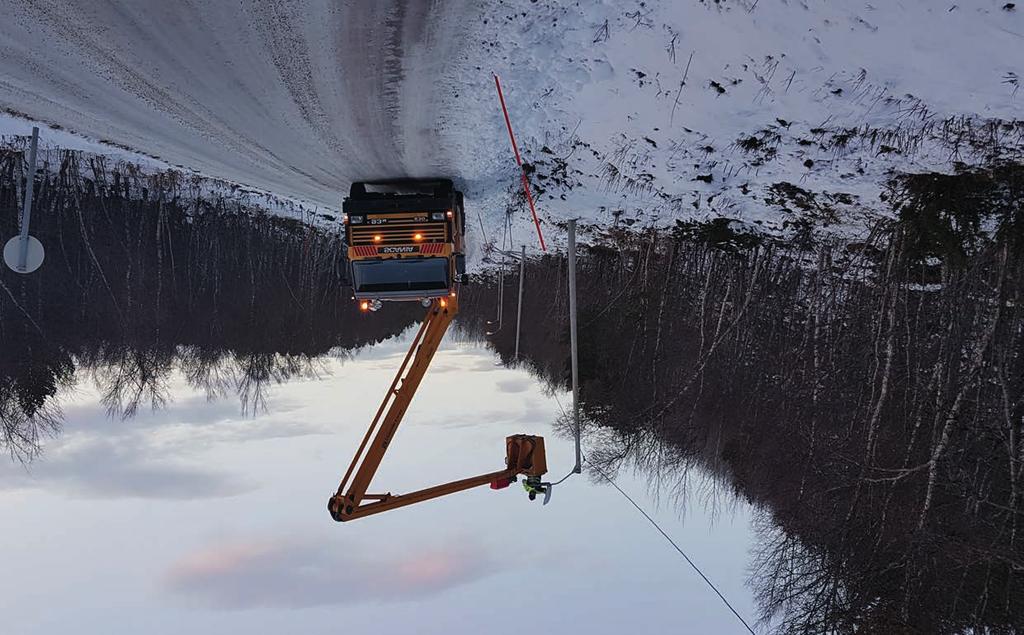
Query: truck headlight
[[355, 220], [436, 215]]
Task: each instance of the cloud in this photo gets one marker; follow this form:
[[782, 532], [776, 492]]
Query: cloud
[[487, 365], [156, 455], [119, 467], [194, 410], [287, 573], [216, 419], [513, 386], [529, 412]]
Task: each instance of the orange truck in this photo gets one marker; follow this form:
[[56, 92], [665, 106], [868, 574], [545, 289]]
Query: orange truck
[[405, 239]]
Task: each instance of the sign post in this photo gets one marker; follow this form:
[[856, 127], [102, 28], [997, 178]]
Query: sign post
[[572, 337], [24, 253], [519, 311]]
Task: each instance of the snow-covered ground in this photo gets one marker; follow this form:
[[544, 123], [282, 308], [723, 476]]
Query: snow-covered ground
[[641, 111], [661, 110], [156, 177]]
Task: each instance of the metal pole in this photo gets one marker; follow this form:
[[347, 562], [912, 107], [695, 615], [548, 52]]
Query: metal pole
[[572, 338], [519, 311], [501, 295], [501, 278], [26, 211]]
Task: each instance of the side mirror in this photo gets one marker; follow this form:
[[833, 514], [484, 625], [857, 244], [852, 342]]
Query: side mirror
[[343, 272]]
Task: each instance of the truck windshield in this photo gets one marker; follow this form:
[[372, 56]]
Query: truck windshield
[[407, 274]]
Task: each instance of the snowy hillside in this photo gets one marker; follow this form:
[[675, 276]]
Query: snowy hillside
[[656, 110], [639, 112], [152, 178]]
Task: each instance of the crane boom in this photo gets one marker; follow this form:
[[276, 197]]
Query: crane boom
[[524, 454]]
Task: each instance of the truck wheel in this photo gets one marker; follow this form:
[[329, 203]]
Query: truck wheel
[[341, 269], [443, 189], [461, 211]]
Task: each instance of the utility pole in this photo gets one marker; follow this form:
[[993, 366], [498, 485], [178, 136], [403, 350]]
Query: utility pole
[[519, 311], [572, 339], [24, 253], [497, 322], [501, 293]]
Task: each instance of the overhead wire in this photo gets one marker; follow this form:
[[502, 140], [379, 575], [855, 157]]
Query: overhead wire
[[692, 564], [564, 414], [655, 524]]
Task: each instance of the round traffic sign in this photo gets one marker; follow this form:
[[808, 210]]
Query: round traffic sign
[[33, 259]]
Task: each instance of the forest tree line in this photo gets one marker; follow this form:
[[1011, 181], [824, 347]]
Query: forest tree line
[[866, 396], [140, 281]]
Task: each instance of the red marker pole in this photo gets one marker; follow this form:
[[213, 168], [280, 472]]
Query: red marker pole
[[519, 161]]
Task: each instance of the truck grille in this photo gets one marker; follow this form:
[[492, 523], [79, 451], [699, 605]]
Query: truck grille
[[429, 249], [398, 233]]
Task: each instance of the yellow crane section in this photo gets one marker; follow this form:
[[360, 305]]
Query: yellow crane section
[[524, 454]]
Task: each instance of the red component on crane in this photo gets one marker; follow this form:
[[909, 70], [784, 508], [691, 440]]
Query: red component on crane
[[501, 483]]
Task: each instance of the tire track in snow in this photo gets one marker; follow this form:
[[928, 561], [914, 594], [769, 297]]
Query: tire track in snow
[[275, 20], [294, 96], [77, 30], [369, 96]]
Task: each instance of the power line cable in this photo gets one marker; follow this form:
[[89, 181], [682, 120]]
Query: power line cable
[[656, 526], [673, 543], [564, 414]]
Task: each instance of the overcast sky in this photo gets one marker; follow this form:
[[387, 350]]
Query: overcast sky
[[197, 519]]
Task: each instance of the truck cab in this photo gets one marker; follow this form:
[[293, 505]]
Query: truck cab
[[405, 240]]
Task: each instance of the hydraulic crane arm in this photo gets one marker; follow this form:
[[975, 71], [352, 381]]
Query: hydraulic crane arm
[[524, 454]]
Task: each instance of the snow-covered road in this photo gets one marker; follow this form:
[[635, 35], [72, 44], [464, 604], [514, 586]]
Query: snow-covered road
[[298, 97]]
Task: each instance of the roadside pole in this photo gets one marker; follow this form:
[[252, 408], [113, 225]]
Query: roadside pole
[[519, 310], [572, 337], [501, 293], [496, 323], [23, 253]]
